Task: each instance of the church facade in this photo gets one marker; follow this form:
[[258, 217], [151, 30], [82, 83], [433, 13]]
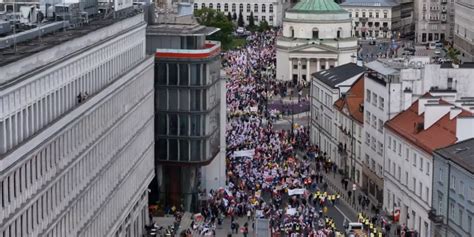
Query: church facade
[[317, 35]]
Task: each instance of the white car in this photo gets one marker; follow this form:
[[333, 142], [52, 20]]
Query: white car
[[240, 30]]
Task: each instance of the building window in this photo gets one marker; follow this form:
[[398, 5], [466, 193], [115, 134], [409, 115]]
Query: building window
[[406, 178], [255, 8], [226, 7], [363, 14], [381, 103], [374, 121], [211, 6], [315, 33], [461, 213], [367, 117], [256, 18], [271, 18], [420, 189], [248, 8], [389, 142], [376, 14], [264, 7], [384, 15], [367, 138], [414, 184], [399, 173], [357, 14], [421, 164], [374, 99], [380, 124], [218, 7], [414, 159], [453, 183], [427, 194], [203, 5], [367, 159], [374, 144], [428, 168], [370, 14], [233, 7], [368, 94], [461, 188], [440, 175], [241, 8], [195, 6], [270, 8], [451, 207], [380, 148], [248, 19]]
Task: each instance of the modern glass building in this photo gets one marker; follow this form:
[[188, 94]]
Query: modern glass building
[[189, 113]]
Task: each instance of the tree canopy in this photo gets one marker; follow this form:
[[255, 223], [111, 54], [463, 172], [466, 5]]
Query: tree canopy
[[213, 18]]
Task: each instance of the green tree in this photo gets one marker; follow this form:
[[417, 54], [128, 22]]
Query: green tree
[[213, 18], [251, 22], [453, 54], [229, 17], [263, 26], [234, 16], [240, 21]]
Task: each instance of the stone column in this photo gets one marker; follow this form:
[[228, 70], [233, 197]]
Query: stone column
[[308, 70], [318, 65], [299, 69], [291, 69], [327, 64]]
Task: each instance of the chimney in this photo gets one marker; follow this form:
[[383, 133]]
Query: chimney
[[464, 127], [455, 111], [433, 112], [423, 101], [407, 100]]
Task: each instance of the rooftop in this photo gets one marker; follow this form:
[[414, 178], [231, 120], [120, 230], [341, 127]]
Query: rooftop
[[353, 100], [440, 134], [30, 47], [464, 65], [334, 76], [372, 3], [317, 6], [182, 29], [461, 153]]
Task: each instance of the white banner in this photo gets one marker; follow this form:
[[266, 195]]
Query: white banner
[[244, 153], [296, 191], [291, 211]]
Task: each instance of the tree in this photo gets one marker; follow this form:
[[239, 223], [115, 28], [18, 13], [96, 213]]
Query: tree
[[240, 21], [251, 22], [213, 18], [263, 26], [234, 16], [453, 54], [229, 17]]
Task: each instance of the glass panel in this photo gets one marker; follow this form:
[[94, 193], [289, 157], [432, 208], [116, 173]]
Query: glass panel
[[161, 124], [161, 74], [173, 122], [173, 99], [184, 99], [195, 125], [195, 150], [161, 149], [195, 100], [173, 149], [173, 74], [183, 150], [183, 75], [162, 99], [183, 125], [195, 74]]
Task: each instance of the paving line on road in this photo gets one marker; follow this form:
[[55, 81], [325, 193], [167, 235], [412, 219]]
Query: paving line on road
[[342, 213]]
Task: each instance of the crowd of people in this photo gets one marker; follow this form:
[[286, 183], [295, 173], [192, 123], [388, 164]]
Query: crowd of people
[[265, 177]]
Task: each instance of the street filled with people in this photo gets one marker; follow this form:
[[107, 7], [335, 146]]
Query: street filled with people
[[265, 176]]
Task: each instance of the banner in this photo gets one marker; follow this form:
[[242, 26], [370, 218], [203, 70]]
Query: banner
[[296, 191], [244, 153]]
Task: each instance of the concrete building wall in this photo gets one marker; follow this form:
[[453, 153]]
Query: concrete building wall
[[464, 29], [387, 17], [83, 167], [326, 30], [453, 197], [407, 183]]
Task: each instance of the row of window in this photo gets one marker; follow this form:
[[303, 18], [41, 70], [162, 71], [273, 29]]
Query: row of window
[[465, 191], [391, 168], [375, 145], [456, 214], [377, 101], [30, 176], [263, 7], [43, 210], [417, 161], [29, 120], [371, 119], [370, 14]]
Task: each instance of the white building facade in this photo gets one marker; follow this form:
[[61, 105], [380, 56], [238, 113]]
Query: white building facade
[[76, 136], [464, 29], [434, 20], [324, 92], [379, 19], [316, 36], [271, 11]]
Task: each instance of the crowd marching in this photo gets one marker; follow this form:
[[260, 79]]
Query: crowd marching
[[265, 178]]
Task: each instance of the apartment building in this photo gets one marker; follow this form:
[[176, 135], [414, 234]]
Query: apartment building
[[326, 87], [434, 21], [349, 119], [411, 138], [76, 131], [271, 11], [370, 18]]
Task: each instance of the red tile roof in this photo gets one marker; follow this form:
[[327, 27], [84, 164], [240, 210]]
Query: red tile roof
[[353, 99], [441, 134]]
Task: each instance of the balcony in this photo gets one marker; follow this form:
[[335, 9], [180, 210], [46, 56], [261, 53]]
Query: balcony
[[436, 219]]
